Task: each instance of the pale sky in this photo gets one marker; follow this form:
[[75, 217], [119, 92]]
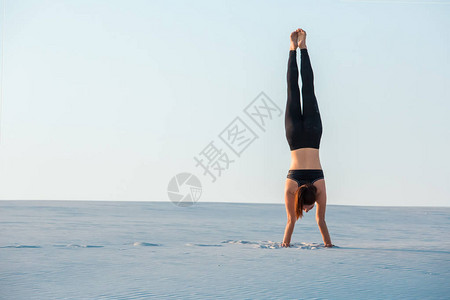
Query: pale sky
[[108, 100]]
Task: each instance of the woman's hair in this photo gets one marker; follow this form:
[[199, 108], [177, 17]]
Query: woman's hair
[[305, 195]]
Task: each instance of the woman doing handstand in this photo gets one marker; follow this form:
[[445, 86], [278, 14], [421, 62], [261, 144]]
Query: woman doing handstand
[[305, 183]]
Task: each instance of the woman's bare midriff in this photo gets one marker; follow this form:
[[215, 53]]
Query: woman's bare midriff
[[305, 158]]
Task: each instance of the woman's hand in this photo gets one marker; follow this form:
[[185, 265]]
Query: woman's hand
[[285, 244], [329, 245]]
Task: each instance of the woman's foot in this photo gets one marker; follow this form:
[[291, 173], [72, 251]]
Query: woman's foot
[[301, 36], [294, 40]]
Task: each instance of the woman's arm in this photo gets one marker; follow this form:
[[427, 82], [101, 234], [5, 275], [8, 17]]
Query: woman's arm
[[320, 217], [288, 233], [289, 200], [324, 231]]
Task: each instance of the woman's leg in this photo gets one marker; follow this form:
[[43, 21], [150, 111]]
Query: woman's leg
[[293, 117], [310, 106], [311, 115]]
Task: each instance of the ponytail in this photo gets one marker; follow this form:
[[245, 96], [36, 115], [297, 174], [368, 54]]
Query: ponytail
[[305, 195]]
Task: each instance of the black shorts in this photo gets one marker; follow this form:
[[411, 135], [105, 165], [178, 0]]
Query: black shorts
[[302, 176]]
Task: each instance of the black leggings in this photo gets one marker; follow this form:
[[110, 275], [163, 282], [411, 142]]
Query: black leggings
[[302, 130]]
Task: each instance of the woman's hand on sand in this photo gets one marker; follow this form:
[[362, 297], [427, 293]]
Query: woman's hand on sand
[[285, 244], [329, 245]]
